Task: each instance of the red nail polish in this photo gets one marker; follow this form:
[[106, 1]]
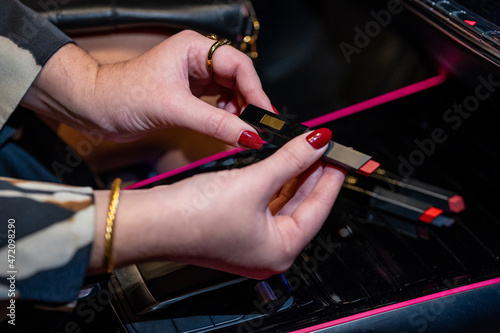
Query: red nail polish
[[275, 110], [319, 137], [250, 139]]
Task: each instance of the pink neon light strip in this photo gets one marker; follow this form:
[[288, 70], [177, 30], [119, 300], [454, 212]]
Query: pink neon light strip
[[187, 167], [388, 97], [398, 306], [385, 98]]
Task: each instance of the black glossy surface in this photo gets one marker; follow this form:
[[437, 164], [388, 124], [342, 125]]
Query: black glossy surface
[[364, 258]]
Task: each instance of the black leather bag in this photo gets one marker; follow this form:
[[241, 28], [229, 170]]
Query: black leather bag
[[232, 19]]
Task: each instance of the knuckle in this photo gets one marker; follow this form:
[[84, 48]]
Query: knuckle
[[292, 158], [322, 200], [216, 124], [253, 93], [187, 33], [245, 60]]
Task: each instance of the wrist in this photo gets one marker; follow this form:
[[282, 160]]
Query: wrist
[[141, 232], [64, 86], [123, 230]]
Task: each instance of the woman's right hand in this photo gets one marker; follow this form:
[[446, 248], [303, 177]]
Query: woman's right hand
[[223, 220], [158, 89]]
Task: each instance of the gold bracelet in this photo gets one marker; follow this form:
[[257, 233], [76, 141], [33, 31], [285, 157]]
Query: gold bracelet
[[113, 204]]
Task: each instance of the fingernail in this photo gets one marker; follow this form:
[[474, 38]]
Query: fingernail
[[319, 137], [344, 171], [275, 110], [222, 101], [250, 139]]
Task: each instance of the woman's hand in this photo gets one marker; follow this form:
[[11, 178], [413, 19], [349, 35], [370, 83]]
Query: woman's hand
[[223, 220], [155, 90]]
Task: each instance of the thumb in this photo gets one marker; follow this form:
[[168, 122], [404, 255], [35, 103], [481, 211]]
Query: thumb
[[219, 124], [291, 160]]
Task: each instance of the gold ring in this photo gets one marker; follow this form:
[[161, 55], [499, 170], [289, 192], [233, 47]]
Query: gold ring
[[218, 42]]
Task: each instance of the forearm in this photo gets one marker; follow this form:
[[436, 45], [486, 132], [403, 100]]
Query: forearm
[[64, 88]]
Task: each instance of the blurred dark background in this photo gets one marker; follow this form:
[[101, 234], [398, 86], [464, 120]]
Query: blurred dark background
[[302, 66]]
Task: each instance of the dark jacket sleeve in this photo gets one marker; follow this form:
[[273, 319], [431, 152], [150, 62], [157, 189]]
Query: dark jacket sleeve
[[46, 230], [27, 41], [46, 235]]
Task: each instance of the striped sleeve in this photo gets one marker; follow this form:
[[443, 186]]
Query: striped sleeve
[[45, 239], [27, 41]]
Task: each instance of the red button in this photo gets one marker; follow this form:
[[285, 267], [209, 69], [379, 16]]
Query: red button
[[368, 167], [456, 204], [430, 214]]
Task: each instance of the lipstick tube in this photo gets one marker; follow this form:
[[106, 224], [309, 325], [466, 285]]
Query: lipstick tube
[[278, 130]]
